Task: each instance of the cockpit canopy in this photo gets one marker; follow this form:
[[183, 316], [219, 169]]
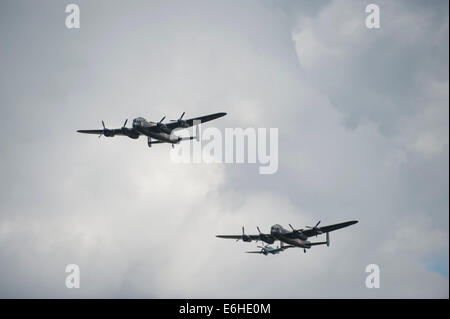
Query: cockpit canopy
[[140, 121], [277, 229]]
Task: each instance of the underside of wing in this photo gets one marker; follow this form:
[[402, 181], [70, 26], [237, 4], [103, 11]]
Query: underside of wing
[[291, 235], [327, 229], [112, 132], [96, 132], [253, 237], [196, 120]]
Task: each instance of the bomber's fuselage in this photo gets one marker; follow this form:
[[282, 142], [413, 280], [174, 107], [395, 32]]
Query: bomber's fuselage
[[278, 232], [154, 130]]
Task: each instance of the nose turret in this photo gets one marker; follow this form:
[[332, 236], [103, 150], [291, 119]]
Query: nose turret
[[138, 122], [275, 229]]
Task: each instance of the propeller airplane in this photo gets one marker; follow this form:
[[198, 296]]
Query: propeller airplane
[[294, 238], [156, 132]]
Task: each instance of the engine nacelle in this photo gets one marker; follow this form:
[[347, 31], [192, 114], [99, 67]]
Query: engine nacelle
[[164, 128], [108, 133], [130, 133], [267, 239], [182, 123], [301, 236]]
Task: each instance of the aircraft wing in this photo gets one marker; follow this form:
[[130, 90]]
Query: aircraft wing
[[253, 237], [112, 132], [272, 251], [201, 119], [99, 132], [326, 229]]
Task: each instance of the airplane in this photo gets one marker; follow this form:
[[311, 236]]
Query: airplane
[[267, 249], [156, 132], [296, 237]]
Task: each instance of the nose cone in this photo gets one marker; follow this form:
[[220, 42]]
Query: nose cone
[[275, 229]]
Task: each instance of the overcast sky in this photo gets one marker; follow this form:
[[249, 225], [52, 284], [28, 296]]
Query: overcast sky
[[363, 120]]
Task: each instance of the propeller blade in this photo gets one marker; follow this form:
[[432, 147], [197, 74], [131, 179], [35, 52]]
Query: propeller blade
[[124, 124], [318, 223], [104, 128], [179, 118], [291, 227], [162, 119], [259, 231]]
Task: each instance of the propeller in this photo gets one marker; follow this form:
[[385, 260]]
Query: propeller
[[244, 236], [180, 121], [259, 231], [106, 132], [124, 129], [317, 229], [179, 118], [163, 127], [299, 232], [264, 249], [104, 128], [314, 226]]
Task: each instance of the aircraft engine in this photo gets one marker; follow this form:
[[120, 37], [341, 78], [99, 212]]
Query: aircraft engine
[[108, 133], [267, 239], [301, 236], [164, 128], [245, 237], [181, 123], [299, 233], [130, 133]]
